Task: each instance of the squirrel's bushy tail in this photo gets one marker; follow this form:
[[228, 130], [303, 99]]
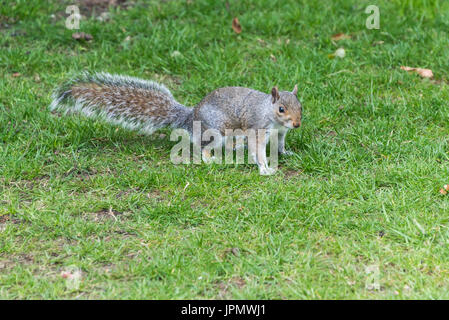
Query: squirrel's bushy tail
[[132, 103]]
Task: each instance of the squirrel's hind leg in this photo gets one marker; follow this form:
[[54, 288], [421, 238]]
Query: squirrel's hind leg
[[216, 146]]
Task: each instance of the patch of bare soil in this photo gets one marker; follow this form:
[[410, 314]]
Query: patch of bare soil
[[104, 214], [9, 219], [21, 259], [80, 173], [40, 182], [224, 287], [156, 195], [126, 193], [292, 173], [6, 22], [96, 7]]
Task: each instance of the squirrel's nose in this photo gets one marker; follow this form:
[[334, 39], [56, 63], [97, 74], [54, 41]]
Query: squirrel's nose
[[296, 124]]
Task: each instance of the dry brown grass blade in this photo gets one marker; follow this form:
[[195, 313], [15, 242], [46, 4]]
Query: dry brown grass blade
[[340, 36], [236, 25], [425, 73]]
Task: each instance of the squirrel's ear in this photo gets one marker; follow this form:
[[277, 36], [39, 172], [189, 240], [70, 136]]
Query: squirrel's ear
[[295, 90], [275, 94]]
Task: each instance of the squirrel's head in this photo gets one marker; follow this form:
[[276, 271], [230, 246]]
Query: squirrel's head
[[286, 107]]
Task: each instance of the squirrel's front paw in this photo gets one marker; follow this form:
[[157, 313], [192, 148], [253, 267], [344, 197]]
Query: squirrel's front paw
[[287, 153], [208, 157], [266, 171], [209, 160]]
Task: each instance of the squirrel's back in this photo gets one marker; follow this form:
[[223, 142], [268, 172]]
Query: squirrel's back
[[232, 108], [127, 101]]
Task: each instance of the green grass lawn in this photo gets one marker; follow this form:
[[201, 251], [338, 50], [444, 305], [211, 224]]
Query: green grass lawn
[[355, 213]]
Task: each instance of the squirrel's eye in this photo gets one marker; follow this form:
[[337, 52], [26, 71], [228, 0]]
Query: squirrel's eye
[[281, 109]]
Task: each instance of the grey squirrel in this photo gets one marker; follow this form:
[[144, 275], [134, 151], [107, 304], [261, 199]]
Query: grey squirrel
[[146, 106]]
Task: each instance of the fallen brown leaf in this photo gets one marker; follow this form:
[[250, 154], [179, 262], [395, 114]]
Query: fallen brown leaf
[[445, 189], [236, 25], [82, 36], [425, 73], [16, 74], [340, 36]]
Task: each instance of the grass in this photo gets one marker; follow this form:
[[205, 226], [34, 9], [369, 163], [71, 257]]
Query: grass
[[355, 213]]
